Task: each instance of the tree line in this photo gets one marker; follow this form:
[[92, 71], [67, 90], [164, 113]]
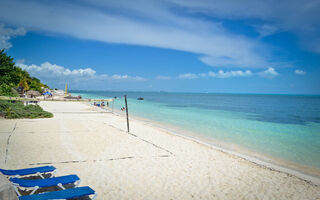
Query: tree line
[[12, 77]]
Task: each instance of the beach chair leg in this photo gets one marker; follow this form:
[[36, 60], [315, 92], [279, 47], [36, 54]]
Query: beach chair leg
[[95, 196], [77, 183], [16, 189], [34, 190], [53, 174], [39, 174], [61, 186]]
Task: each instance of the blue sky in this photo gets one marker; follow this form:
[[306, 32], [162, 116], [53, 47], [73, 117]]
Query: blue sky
[[161, 45]]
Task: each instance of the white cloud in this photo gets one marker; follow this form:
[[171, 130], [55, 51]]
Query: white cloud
[[210, 74], [222, 74], [52, 73], [118, 77], [269, 73], [300, 72], [52, 70], [147, 23], [126, 77], [188, 76], [7, 33]]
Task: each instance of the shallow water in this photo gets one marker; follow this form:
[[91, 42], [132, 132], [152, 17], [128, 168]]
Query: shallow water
[[285, 127]]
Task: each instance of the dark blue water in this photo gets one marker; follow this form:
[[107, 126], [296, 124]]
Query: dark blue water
[[269, 108]]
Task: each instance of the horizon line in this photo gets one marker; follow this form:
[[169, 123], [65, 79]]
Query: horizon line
[[230, 93]]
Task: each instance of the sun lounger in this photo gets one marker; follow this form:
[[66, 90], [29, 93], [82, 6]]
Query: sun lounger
[[29, 171], [35, 184], [62, 194]]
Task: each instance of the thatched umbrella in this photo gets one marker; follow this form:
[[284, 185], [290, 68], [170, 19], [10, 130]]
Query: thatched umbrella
[[33, 93]]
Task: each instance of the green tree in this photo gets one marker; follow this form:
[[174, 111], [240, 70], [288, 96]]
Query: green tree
[[24, 83], [9, 74], [35, 84]]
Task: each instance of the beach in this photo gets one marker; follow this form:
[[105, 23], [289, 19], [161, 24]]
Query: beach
[[147, 163]]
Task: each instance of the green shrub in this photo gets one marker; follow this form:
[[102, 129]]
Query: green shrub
[[13, 110], [7, 90]]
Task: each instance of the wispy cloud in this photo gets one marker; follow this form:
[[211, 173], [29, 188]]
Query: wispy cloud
[[219, 74], [188, 76], [163, 77], [147, 23], [300, 17], [7, 33], [126, 77], [266, 30], [299, 72]]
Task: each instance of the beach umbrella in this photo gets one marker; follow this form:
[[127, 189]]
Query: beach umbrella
[[47, 93], [33, 93]]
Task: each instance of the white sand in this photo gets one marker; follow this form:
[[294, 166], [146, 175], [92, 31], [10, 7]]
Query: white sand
[[150, 163]]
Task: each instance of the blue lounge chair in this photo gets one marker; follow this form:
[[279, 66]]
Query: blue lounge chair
[[29, 171], [62, 194], [34, 185]]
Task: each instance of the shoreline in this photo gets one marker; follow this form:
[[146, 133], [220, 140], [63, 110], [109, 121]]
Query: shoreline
[[249, 155]]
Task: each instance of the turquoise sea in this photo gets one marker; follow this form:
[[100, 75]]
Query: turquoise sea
[[284, 127]]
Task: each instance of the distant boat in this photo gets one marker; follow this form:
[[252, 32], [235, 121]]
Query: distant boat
[[140, 98]]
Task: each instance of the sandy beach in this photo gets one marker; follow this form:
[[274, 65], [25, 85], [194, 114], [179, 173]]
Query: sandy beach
[[147, 163]]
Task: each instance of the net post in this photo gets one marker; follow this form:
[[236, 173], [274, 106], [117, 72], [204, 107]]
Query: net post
[[125, 99]]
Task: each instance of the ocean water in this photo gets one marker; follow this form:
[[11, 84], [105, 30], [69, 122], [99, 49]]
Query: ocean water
[[284, 127]]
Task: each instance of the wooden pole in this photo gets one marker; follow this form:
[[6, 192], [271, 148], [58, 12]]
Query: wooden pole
[[125, 99]]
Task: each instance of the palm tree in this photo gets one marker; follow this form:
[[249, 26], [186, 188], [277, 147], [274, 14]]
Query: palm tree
[[24, 84]]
